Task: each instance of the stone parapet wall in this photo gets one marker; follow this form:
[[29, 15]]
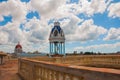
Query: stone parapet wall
[[41, 70]]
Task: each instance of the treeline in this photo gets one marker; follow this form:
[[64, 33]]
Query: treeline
[[92, 53], [85, 53]]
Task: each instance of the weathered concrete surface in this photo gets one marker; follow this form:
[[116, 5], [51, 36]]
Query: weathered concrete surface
[[8, 71], [93, 73]]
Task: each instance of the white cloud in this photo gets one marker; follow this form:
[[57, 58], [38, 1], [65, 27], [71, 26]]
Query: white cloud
[[12, 33], [32, 40], [114, 10], [41, 47], [3, 37], [85, 7], [15, 8], [71, 24], [1, 18], [89, 8], [38, 30], [113, 34], [86, 31], [47, 8], [99, 6], [100, 48], [7, 48]]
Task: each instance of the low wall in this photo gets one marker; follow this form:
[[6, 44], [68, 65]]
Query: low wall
[[30, 69], [39, 70], [108, 61]]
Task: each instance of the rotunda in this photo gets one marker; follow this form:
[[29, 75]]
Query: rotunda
[[57, 40], [18, 48]]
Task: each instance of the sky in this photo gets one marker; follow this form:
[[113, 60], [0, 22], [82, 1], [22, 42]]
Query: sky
[[88, 25]]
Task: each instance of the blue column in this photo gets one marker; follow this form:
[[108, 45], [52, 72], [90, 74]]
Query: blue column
[[58, 48], [50, 47], [61, 47], [53, 48], [64, 48]]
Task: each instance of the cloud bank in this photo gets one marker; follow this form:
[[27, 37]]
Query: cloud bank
[[36, 31]]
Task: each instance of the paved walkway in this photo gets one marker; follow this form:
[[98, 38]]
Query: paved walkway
[[8, 71]]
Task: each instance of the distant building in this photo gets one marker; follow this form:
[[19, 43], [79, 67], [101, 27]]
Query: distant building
[[18, 48], [75, 52]]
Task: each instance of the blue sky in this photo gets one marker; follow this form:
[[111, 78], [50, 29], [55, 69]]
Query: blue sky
[[89, 25]]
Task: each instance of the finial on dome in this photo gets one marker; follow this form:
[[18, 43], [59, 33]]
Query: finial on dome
[[56, 20], [56, 23], [18, 42]]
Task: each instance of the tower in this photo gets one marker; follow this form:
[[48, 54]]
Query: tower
[[57, 40], [18, 48]]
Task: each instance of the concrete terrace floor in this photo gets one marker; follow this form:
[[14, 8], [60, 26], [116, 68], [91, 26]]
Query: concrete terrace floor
[[8, 70]]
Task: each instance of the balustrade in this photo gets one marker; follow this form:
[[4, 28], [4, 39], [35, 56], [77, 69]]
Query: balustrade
[[31, 70], [51, 69]]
